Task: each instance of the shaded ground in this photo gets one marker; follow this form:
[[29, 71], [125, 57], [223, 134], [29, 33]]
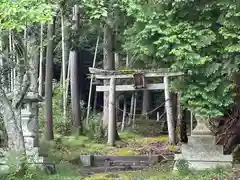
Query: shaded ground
[[147, 136], [160, 172], [67, 148], [164, 173]]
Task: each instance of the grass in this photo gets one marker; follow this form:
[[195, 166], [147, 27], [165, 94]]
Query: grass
[[67, 148], [160, 172], [164, 172], [70, 147]]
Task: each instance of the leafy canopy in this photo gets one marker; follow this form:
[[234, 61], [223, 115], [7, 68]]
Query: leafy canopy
[[199, 38], [16, 14]]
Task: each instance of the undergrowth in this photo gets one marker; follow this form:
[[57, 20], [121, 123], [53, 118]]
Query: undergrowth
[[164, 172], [160, 172]]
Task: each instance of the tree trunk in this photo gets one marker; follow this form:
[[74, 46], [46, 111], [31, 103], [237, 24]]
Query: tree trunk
[[237, 90], [40, 78], [91, 85], [64, 63], [75, 93], [183, 128], [33, 64], [145, 104], [174, 108], [12, 119], [118, 97], [131, 109], [108, 63], [112, 113], [124, 115], [134, 110], [169, 112], [48, 83]]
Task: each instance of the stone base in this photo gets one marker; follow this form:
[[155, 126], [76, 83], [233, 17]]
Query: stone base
[[202, 153], [86, 160]]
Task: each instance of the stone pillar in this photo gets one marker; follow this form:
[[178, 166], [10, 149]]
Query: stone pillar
[[30, 129], [201, 128]]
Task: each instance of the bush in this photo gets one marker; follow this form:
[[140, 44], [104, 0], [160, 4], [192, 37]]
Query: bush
[[94, 129], [61, 124], [182, 166]]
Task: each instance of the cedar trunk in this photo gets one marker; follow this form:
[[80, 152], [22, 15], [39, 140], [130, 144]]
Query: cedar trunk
[[48, 83], [75, 93]]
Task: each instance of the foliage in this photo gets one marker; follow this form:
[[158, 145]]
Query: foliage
[[65, 172], [94, 129], [16, 14], [182, 166], [67, 148], [60, 124], [164, 172], [199, 38]]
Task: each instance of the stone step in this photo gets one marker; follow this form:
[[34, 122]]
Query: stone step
[[117, 168], [201, 164], [198, 157], [203, 139], [186, 148], [129, 163], [95, 160]]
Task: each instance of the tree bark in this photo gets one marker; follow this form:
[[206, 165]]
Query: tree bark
[[33, 64], [64, 63], [112, 113], [40, 78], [75, 93], [131, 109], [108, 63], [124, 115], [48, 83], [145, 104], [169, 112], [12, 119]]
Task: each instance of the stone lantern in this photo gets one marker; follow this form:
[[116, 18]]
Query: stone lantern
[[30, 127], [201, 151]]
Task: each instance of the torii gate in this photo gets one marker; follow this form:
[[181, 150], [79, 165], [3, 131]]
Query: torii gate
[[139, 84]]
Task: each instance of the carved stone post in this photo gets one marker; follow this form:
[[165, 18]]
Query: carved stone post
[[30, 128]]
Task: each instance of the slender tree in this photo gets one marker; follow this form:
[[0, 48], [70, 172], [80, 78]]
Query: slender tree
[[75, 94], [48, 82]]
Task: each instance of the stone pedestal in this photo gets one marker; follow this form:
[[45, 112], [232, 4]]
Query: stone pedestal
[[201, 152], [30, 137]]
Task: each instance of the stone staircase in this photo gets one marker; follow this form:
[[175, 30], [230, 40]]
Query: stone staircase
[[100, 164]]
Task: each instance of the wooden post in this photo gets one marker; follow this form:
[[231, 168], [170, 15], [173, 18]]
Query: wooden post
[[91, 82], [179, 112], [131, 110], [124, 114], [158, 116], [112, 113], [95, 102], [134, 110], [191, 123], [169, 112]]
